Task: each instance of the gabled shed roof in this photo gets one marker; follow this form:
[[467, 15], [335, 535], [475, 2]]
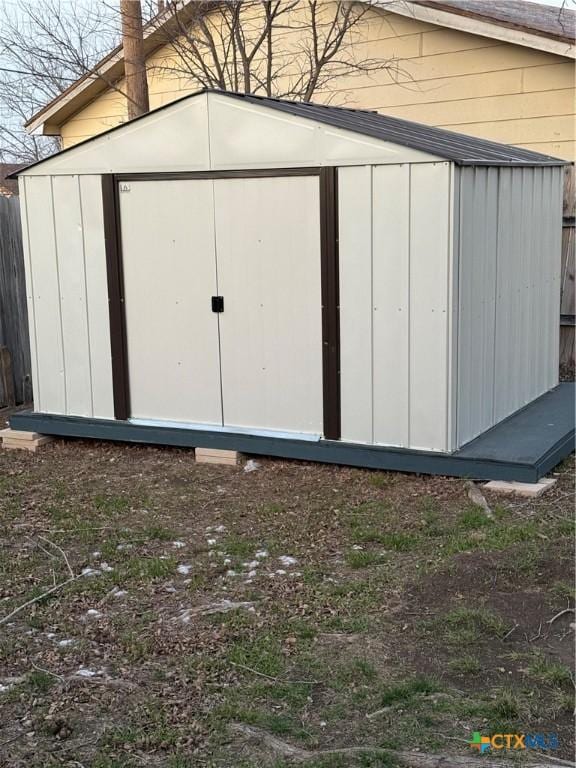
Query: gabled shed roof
[[455, 147]]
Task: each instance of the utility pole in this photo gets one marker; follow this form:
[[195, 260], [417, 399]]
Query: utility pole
[[134, 60]]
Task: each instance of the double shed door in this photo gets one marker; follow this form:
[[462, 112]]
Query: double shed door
[[256, 243]]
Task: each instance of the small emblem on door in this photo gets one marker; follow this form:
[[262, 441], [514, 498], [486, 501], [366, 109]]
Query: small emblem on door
[[124, 187]]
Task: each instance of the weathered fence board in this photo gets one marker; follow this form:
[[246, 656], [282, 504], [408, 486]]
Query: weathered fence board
[[567, 303], [15, 378]]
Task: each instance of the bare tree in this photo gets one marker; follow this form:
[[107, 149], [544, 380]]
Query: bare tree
[[285, 48], [16, 105], [44, 48]]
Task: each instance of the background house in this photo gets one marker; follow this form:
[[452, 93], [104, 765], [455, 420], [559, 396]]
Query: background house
[[501, 71]]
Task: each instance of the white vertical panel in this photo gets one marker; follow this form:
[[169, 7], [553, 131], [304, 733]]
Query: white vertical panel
[[507, 321], [524, 278], [429, 305], [555, 249], [268, 249], [169, 278], [466, 349], [543, 277], [453, 307], [355, 256], [539, 292], [391, 303], [29, 294], [97, 297], [488, 266], [479, 212], [70, 255], [516, 244], [44, 271], [548, 259]]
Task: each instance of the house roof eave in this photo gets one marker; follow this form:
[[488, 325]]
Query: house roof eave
[[476, 25]]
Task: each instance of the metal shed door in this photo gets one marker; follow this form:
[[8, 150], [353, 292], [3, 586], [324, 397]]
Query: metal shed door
[[169, 268], [269, 273]]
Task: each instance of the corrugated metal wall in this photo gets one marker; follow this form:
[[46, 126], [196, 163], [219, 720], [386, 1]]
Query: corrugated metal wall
[[509, 286], [396, 299], [67, 294]]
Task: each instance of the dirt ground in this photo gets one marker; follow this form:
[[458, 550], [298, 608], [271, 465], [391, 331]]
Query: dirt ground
[[328, 607]]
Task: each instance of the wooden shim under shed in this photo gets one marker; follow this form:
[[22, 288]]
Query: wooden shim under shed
[[25, 441]]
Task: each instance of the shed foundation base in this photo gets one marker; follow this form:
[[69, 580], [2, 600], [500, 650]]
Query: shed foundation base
[[524, 447]]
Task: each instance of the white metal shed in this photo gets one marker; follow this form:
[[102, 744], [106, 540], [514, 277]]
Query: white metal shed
[[291, 279]]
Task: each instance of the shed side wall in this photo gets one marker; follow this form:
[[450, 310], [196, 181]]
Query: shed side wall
[[396, 284], [66, 284], [509, 283]]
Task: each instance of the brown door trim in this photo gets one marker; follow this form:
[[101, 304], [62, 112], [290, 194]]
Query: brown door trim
[[257, 173], [329, 279], [330, 302], [113, 246]]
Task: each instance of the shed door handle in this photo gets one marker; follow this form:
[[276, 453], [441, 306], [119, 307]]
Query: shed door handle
[[217, 303]]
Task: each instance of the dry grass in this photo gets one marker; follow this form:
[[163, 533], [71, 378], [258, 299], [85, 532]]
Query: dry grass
[[356, 592]]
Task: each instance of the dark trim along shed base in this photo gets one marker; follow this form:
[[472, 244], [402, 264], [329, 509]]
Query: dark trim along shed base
[[524, 447]]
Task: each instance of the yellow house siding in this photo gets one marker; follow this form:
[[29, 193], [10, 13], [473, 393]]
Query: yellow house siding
[[448, 40], [443, 77], [515, 106]]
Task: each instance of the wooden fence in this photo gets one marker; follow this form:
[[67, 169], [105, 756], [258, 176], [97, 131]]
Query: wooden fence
[[567, 304], [15, 374]]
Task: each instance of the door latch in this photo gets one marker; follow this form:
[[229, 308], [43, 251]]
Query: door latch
[[217, 303]]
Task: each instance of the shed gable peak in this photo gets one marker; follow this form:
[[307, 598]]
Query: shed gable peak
[[213, 130]]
